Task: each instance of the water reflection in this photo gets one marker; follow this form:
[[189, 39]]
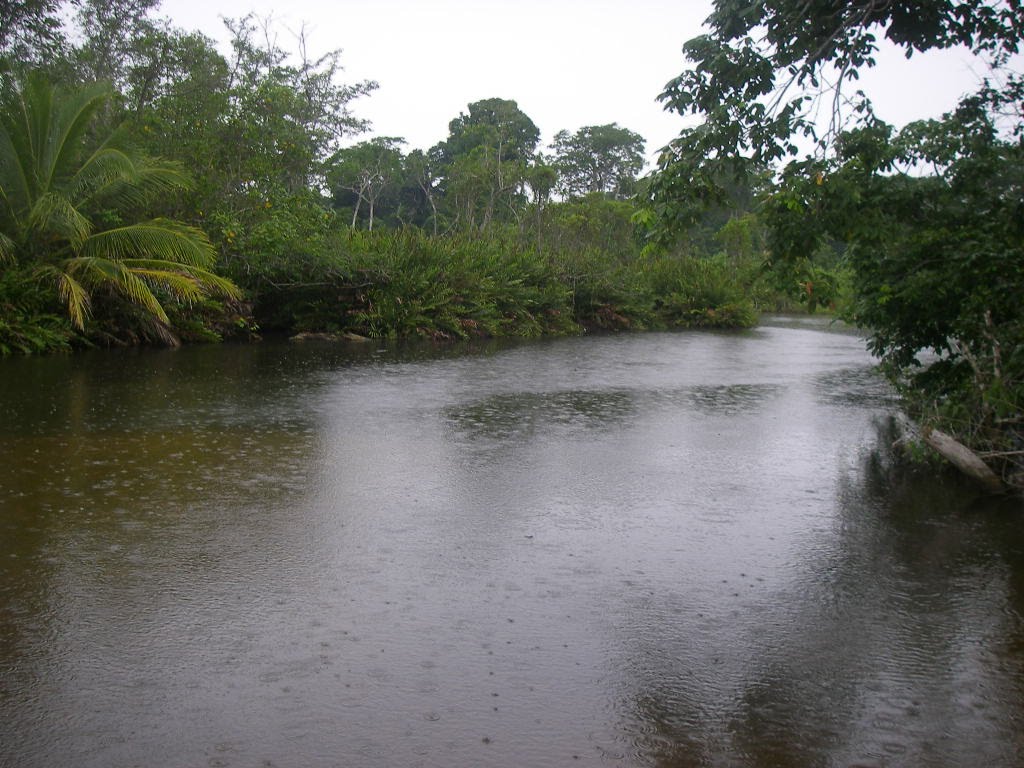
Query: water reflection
[[861, 386], [519, 416], [896, 641], [725, 399]]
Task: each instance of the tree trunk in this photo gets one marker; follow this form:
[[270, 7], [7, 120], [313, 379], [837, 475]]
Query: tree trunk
[[964, 459], [355, 212]]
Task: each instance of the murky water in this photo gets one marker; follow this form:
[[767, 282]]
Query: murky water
[[651, 550]]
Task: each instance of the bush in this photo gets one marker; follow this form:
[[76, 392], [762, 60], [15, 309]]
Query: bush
[[697, 293], [30, 322]]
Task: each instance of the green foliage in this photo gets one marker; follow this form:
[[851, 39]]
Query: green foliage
[[453, 288], [31, 33], [116, 37], [484, 165], [408, 284], [261, 131], [495, 123], [419, 194], [592, 223], [926, 221], [128, 247], [59, 204], [700, 293], [598, 158], [366, 175], [765, 69], [30, 321], [213, 320]]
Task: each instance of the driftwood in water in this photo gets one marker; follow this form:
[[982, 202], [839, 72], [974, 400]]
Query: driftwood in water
[[964, 459]]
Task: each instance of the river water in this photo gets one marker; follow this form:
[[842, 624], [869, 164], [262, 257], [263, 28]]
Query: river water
[[679, 549]]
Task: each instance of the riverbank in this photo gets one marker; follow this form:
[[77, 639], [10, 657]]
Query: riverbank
[[407, 284]]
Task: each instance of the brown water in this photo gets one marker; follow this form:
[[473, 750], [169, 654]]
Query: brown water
[[654, 550]]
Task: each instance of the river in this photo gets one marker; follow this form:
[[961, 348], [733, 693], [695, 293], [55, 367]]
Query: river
[[664, 549]]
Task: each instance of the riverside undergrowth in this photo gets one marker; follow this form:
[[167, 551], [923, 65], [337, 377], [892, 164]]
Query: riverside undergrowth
[[407, 284]]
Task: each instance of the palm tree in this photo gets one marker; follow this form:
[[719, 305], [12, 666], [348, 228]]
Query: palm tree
[[53, 188]]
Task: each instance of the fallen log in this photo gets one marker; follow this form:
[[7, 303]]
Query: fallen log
[[964, 459]]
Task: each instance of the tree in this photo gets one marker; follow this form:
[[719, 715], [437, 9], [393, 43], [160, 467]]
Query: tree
[[485, 160], [367, 171], [419, 193], [495, 123], [31, 33], [598, 158], [259, 130], [112, 34], [290, 116], [68, 210], [759, 77], [929, 217]]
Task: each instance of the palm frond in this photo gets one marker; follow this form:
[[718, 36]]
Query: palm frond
[[153, 179], [40, 136], [14, 183], [161, 239], [49, 188], [164, 332], [215, 284], [118, 178], [36, 102], [96, 271], [135, 289], [106, 166], [54, 214], [7, 248], [76, 298], [74, 113], [71, 292], [210, 283], [183, 286]]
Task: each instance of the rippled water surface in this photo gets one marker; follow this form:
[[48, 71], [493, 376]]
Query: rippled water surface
[[676, 549]]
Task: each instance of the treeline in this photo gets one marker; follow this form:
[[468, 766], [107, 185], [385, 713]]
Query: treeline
[[199, 195]]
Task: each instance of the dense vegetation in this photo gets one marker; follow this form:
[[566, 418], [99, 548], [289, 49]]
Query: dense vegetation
[[263, 210], [929, 219], [194, 195]]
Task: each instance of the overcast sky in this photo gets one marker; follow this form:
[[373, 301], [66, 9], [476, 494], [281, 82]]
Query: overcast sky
[[568, 63]]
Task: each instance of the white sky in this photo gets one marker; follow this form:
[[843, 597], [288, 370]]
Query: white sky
[[568, 63]]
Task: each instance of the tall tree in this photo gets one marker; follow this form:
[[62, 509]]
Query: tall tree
[[420, 191], [598, 158], [496, 123], [485, 160], [260, 129], [290, 115]]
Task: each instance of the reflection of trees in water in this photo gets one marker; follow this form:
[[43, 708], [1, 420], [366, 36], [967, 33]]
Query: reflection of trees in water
[[125, 468], [858, 386], [902, 640], [523, 414], [724, 399]]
